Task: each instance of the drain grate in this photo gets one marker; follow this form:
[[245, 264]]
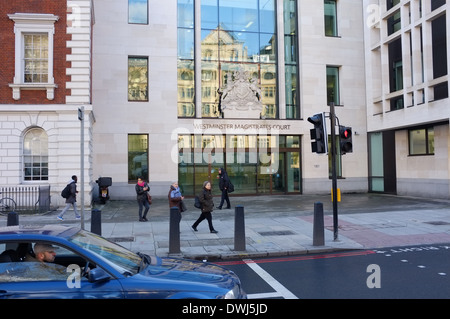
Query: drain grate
[[121, 239], [438, 223], [276, 233]]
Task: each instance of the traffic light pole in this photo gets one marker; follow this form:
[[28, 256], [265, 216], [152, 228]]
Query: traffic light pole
[[333, 170]]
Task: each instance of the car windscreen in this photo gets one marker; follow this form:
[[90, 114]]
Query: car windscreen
[[122, 259]]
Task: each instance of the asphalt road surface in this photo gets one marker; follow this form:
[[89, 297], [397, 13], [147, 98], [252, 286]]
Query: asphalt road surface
[[398, 272]]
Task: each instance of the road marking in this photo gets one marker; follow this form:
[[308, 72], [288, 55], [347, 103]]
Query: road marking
[[277, 286]]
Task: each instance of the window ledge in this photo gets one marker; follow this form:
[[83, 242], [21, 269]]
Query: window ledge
[[16, 88]]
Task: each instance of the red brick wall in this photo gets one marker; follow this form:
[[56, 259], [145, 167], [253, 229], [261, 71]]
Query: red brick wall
[[7, 50]]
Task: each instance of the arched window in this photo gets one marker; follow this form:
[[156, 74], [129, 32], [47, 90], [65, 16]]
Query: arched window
[[35, 155]]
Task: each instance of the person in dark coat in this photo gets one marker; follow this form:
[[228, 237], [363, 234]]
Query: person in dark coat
[[142, 189], [71, 200], [206, 199], [224, 183]]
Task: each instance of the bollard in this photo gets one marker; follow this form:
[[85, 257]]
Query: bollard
[[239, 228], [13, 219], [318, 230], [96, 221], [174, 231]]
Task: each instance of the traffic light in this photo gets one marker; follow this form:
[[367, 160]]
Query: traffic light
[[319, 134], [345, 139]]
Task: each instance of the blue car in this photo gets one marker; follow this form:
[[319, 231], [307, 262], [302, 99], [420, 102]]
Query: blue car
[[87, 266]]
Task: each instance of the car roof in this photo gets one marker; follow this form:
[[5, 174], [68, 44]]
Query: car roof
[[47, 230]]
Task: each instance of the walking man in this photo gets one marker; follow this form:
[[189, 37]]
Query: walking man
[[71, 200]]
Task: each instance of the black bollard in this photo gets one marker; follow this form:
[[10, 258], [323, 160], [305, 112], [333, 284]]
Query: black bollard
[[174, 231], [96, 221], [318, 228], [13, 219], [239, 228]]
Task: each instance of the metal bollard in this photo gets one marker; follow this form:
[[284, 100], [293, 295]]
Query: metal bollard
[[13, 219], [174, 231], [239, 228], [96, 221], [318, 228]]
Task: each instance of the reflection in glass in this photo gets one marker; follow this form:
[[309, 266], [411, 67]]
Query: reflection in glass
[[35, 155], [138, 11], [137, 157], [137, 79]]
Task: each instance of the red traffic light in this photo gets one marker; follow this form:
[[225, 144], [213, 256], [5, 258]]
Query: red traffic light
[[346, 132]]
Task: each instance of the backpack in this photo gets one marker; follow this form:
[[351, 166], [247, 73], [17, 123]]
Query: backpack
[[66, 191], [230, 187], [197, 203]]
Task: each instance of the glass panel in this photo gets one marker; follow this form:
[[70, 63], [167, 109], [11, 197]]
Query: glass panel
[[210, 17], [376, 173], [239, 47], [267, 16], [186, 88], [268, 48], [430, 132], [185, 13], [417, 142], [137, 79], [293, 171], [291, 92], [330, 18], [137, 157], [269, 90], [138, 11], [333, 85], [185, 44], [238, 15], [35, 159]]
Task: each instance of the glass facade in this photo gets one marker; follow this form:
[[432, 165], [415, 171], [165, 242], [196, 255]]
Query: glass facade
[[234, 35], [256, 164]]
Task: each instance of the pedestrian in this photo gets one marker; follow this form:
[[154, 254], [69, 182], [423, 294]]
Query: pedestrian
[[71, 200], [206, 199], [142, 190], [224, 184], [175, 197]]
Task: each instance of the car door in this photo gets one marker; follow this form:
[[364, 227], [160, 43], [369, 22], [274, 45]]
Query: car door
[[48, 283]]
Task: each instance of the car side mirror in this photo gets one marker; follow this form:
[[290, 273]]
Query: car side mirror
[[97, 275]]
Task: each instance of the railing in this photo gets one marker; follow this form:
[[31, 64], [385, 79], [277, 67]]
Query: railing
[[28, 199]]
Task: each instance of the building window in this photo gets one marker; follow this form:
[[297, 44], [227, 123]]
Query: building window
[[138, 11], [333, 85], [137, 79], [421, 141], [186, 78], [137, 157], [394, 23], [331, 18], [35, 58], [291, 58], [35, 155], [33, 53]]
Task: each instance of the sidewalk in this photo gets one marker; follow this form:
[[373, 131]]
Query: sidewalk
[[274, 225]]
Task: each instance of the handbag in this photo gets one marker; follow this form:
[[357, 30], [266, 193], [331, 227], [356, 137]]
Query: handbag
[[149, 198], [183, 207]]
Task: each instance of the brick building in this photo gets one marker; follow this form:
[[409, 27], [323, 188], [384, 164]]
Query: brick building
[[45, 77]]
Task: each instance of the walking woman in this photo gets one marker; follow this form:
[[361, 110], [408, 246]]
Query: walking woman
[[206, 199], [142, 189]]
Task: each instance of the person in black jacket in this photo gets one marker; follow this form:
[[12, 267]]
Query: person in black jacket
[[71, 200], [142, 189], [206, 199], [224, 183]]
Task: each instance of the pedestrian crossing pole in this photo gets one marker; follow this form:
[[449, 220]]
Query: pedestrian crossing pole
[[333, 170]]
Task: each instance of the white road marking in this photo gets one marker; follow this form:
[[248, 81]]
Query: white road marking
[[279, 288]]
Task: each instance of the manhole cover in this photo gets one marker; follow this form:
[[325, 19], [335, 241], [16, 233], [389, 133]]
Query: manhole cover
[[276, 233]]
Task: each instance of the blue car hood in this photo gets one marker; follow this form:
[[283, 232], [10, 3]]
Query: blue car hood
[[188, 271]]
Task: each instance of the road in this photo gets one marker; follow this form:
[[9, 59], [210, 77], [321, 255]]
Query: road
[[398, 272]]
